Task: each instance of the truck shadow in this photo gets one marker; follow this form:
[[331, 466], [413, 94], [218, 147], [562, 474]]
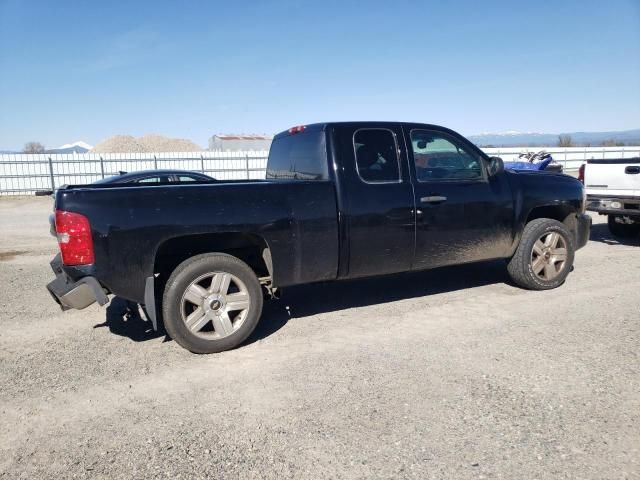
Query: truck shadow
[[128, 319], [307, 300], [600, 233]]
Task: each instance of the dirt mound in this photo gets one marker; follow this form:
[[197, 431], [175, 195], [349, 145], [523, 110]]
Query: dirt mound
[[146, 143]]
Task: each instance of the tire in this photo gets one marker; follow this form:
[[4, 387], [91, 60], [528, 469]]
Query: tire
[[622, 230], [218, 296], [549, 264]]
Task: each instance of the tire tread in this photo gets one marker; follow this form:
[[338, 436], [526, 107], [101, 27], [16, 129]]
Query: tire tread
[[518, 266], [173, 323]]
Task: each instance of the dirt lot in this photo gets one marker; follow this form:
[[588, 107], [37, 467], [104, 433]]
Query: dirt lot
[[445, 374]]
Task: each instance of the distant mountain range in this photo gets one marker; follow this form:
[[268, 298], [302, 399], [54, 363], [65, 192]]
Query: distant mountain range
[[512, 138]]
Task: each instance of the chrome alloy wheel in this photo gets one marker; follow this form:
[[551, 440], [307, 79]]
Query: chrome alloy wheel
[[549, 256], [215, 305]]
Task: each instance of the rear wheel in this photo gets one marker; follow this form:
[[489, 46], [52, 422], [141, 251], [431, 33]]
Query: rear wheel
[[544, 256], [211, 303], [622, 229]]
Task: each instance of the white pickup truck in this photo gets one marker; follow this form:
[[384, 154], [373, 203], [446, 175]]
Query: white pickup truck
[[613, 189]]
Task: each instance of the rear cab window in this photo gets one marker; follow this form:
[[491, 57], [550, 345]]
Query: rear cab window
[[376, 154], [298, 156]]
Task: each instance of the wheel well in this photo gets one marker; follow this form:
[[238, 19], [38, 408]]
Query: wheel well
[[561, 213], [556, 212], [251, 249]]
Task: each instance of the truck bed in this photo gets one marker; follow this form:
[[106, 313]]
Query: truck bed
[[131, 224], [616, 177]]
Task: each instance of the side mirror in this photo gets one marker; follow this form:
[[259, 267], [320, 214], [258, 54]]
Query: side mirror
[[496, 166]]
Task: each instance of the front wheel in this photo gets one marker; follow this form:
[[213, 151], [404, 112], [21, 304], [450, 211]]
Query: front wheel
[[211, 303], [544, 256]]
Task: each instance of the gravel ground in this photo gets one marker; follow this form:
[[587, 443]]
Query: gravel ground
[[452, 373]]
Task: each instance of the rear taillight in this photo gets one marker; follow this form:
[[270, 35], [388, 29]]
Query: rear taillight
[[581, 173], [74, 237]]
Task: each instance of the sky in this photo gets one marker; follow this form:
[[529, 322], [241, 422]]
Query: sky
[[86, 70]]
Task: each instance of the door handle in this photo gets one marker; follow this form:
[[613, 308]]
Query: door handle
[[433, 199], [632, 170]]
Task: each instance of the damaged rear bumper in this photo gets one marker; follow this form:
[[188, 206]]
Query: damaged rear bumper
[[74, 294]]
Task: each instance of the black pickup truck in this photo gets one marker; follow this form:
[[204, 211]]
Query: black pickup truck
[[340, 201]]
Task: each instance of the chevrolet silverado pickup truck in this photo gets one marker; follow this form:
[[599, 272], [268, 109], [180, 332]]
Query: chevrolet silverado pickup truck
[[339, 201], [613, 189]]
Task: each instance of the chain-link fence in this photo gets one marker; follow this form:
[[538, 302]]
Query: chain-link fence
[[25, 174]]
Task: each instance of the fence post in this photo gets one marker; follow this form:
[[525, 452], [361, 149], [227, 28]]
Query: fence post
[[155, 162], [202, 162], [53, 183], [101, 166], [246, 157]]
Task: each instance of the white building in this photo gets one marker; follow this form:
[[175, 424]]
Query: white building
[[234, 143]]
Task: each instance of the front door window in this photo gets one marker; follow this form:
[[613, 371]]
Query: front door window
[[440, 157]]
